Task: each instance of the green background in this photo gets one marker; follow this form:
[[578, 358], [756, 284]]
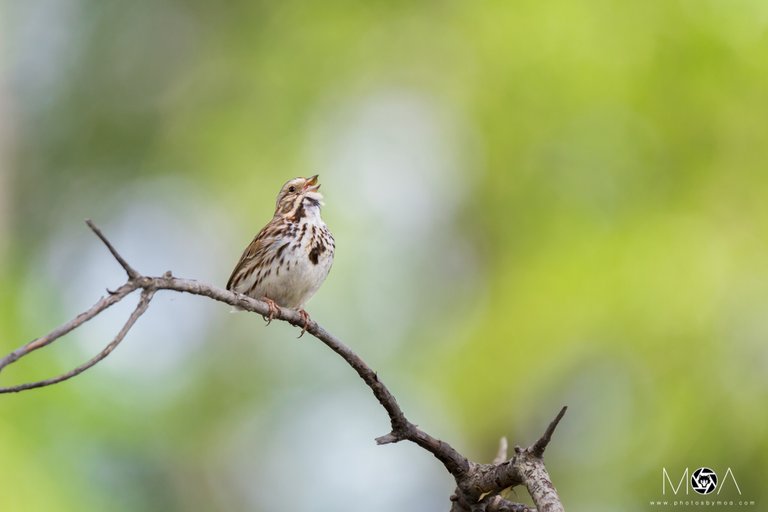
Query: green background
[[535, 204]]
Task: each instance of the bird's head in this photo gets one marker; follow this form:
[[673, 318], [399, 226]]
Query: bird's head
[[298, 195]]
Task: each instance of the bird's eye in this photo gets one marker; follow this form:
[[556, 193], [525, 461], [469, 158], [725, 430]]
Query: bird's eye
[[291, 189]]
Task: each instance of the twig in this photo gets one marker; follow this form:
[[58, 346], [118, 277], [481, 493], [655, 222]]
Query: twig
[[478, 485], [526, 467], [73, 324], [501, 455], [141, 307], [132, 274], [539, 446]]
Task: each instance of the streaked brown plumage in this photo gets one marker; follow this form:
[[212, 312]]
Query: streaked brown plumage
[[289, 259]]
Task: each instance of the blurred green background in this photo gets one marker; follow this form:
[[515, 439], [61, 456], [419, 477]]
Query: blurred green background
[[535, 204]]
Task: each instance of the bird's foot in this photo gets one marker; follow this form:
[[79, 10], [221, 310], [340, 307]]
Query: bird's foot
[[274, 309], [305, 317]]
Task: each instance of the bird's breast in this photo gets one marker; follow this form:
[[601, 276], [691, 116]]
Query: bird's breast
[[303, 259]]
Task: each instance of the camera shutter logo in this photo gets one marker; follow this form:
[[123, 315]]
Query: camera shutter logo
[[704, 480]]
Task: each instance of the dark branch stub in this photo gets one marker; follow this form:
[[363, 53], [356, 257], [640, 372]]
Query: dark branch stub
[[478, 485], [132, 274], [539, 446]]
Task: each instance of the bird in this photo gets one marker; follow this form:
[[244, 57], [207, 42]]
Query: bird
[[289, 259]]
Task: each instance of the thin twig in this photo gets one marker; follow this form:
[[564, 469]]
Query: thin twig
[[141, 307], [132, 274], [539, 446], [103, 303]]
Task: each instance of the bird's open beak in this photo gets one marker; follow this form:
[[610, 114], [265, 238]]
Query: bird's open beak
[[312, 183]]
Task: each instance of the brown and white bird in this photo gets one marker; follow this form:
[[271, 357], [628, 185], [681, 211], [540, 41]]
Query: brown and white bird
[[289, 259]]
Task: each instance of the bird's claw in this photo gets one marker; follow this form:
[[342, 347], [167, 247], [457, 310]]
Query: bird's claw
[[274, 309], [304, 316]]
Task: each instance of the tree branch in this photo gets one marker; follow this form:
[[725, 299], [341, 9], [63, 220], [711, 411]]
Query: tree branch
[[73, 324], [539, 446], [478, 485], [132, 274], [141, 307]]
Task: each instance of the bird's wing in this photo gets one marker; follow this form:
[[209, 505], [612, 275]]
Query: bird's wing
[[256, 252]]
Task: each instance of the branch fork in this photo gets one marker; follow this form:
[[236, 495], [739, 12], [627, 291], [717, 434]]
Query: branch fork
[[479, 487]]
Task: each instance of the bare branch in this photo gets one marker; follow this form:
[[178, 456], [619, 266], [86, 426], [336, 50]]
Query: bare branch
[[524, 468], [402, 429], [538, 448], [141, 307], [539, 485], [76, 322], [478, 485], [132, 274]]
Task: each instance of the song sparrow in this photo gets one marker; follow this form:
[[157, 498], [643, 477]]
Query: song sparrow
[[291, 256]]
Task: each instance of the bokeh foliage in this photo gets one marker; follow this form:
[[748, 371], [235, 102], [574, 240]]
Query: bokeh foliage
[[536, 204]]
